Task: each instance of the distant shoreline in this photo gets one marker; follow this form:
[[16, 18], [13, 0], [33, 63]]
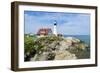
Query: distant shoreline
[[85, 38]]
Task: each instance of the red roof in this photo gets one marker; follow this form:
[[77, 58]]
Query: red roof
[[44, 31]]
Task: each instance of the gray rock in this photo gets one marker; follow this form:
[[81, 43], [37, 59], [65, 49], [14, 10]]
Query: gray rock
[[64, 55]]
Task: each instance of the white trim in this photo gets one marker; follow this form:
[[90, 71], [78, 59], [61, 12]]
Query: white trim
[[23, 64]]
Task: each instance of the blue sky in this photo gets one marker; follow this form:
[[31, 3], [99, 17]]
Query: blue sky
[[67, 23]]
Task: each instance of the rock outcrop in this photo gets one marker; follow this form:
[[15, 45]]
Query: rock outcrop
[[64, 55], [60, 48]]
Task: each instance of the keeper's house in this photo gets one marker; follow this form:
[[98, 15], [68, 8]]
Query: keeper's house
[[44, 32]]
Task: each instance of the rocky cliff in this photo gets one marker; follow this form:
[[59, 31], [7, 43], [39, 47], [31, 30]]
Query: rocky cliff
[[58, 48]]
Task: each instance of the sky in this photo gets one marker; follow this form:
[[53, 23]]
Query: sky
[[67, 23]]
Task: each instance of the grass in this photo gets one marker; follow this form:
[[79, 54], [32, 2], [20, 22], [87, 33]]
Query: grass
[[34, 45]]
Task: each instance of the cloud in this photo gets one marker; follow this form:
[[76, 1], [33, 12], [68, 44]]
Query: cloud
[[68, 23]]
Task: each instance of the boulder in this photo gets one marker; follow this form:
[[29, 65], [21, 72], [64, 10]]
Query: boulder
[[64, 55]]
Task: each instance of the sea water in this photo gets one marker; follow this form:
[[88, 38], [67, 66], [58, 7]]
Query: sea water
[[85, 38]]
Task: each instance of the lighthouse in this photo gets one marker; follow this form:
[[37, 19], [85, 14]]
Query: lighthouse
[[55, 28]]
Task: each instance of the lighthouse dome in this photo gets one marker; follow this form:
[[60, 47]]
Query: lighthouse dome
[[55, 23]]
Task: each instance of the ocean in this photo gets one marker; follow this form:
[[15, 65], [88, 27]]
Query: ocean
[[85, 38]]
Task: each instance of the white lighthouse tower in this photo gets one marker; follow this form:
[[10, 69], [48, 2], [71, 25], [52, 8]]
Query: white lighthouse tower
[[55, 28]]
